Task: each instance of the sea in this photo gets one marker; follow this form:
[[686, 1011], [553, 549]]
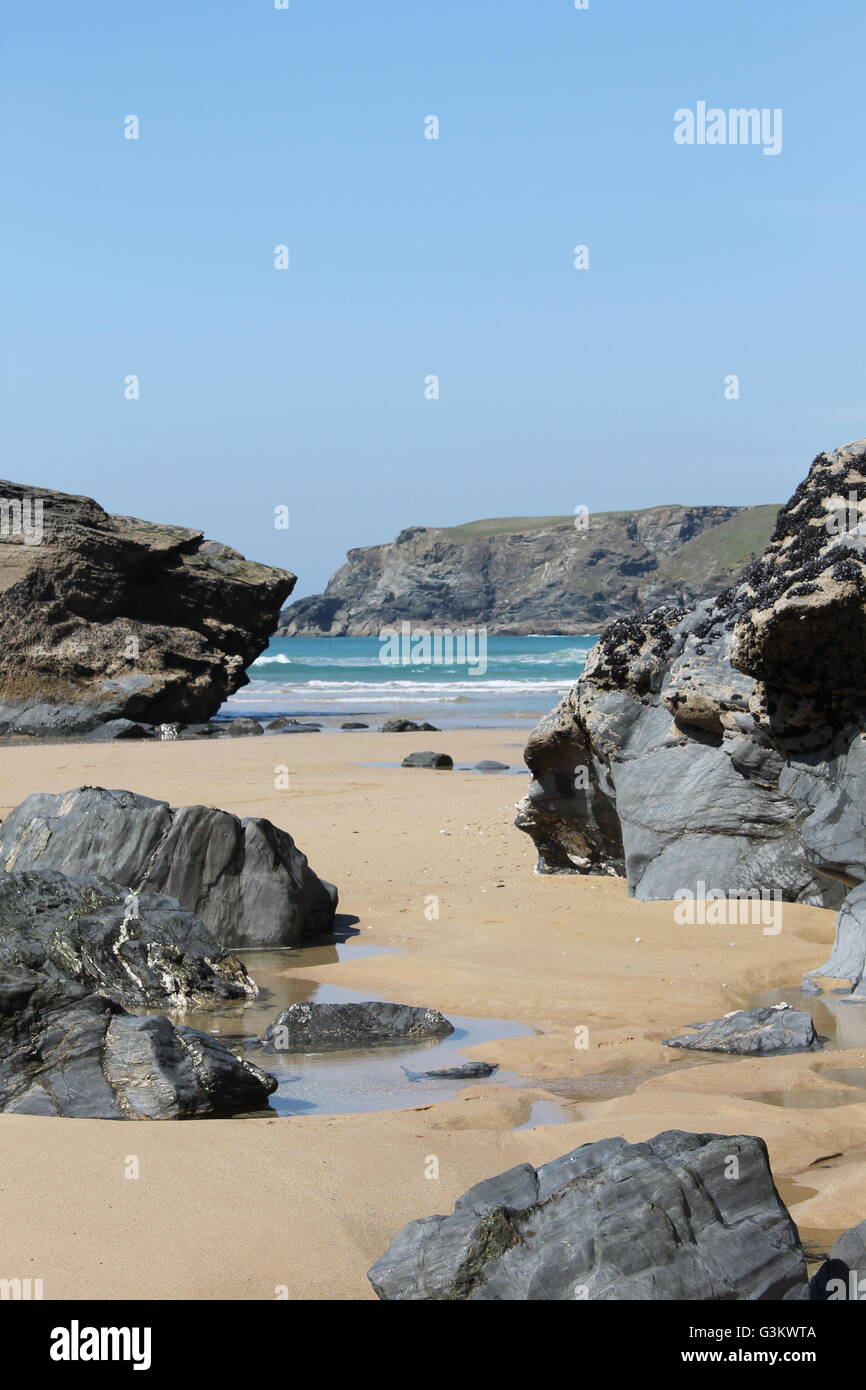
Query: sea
[[344, 678]]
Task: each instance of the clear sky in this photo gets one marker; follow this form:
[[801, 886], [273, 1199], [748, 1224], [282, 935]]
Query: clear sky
[[408, 257]]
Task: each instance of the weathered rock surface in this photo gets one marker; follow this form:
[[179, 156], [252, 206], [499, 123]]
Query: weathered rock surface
[[108, 617], [427, 759], [490, 765], [535, 574], [238, 728], [316, 1027], [246, 879], [609, 1221], [407, 726], [750, 1031], [73, 953], [723, 749]]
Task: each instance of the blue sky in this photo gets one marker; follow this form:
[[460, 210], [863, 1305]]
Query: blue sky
[[410, 257]]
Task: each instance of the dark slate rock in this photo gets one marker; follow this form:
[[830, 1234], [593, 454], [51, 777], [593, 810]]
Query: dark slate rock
[[45, 720], [490, 765], [774, 1029], [237, 728], [208, 730], [427, 759], [87, 1058], [407, 726], [137, 948], [245, 879], [353, 725], [657, 1221], [465, 1070], [311, 1027], [118, 728], [73, 952]]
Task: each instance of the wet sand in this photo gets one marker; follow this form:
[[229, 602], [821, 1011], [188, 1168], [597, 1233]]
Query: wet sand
[[300, 1207]]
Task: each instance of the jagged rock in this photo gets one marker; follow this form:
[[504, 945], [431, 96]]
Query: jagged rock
[[774, 1029], [311, 1027], [724, 748], [89, 1059], [239, 727], [73, 952], [246, 879], [107, 617], [534, 574], [407, 726], [427, 759], [657, 1221], [137, 949]]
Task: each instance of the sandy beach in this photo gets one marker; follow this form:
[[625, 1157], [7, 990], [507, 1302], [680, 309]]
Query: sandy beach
[[301, 1207]]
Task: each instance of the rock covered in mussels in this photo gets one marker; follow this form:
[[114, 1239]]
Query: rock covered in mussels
[[108, 617], [246, 879], [74, 952], [609, 1221], [723, 749], [316, 1027]]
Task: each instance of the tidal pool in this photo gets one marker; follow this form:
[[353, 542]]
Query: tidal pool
[[342, 1082]]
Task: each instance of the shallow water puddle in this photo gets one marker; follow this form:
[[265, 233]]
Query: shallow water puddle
[[839, 1023], [351, 1081]]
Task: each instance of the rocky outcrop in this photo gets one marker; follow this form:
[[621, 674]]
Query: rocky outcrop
[[535, 574], [683, 1216], [74, 952], [316, 1027], [108, 617], [427, 758], [722, 750], [749, 1032], [246, 879]]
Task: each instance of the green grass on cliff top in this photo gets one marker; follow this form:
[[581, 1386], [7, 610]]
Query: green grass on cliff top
[[727, 544]]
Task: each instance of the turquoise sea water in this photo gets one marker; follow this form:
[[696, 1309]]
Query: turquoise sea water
[[344, 678]]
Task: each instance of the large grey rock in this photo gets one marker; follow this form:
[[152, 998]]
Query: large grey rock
[[245, 879], [109, 617], [316, 1027], [73, 953], [746, 1031], [137, 948], [86, 1058], [682, 1217], [723, 749]]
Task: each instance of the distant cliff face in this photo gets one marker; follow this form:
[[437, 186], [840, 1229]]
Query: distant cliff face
[[535, 574]]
